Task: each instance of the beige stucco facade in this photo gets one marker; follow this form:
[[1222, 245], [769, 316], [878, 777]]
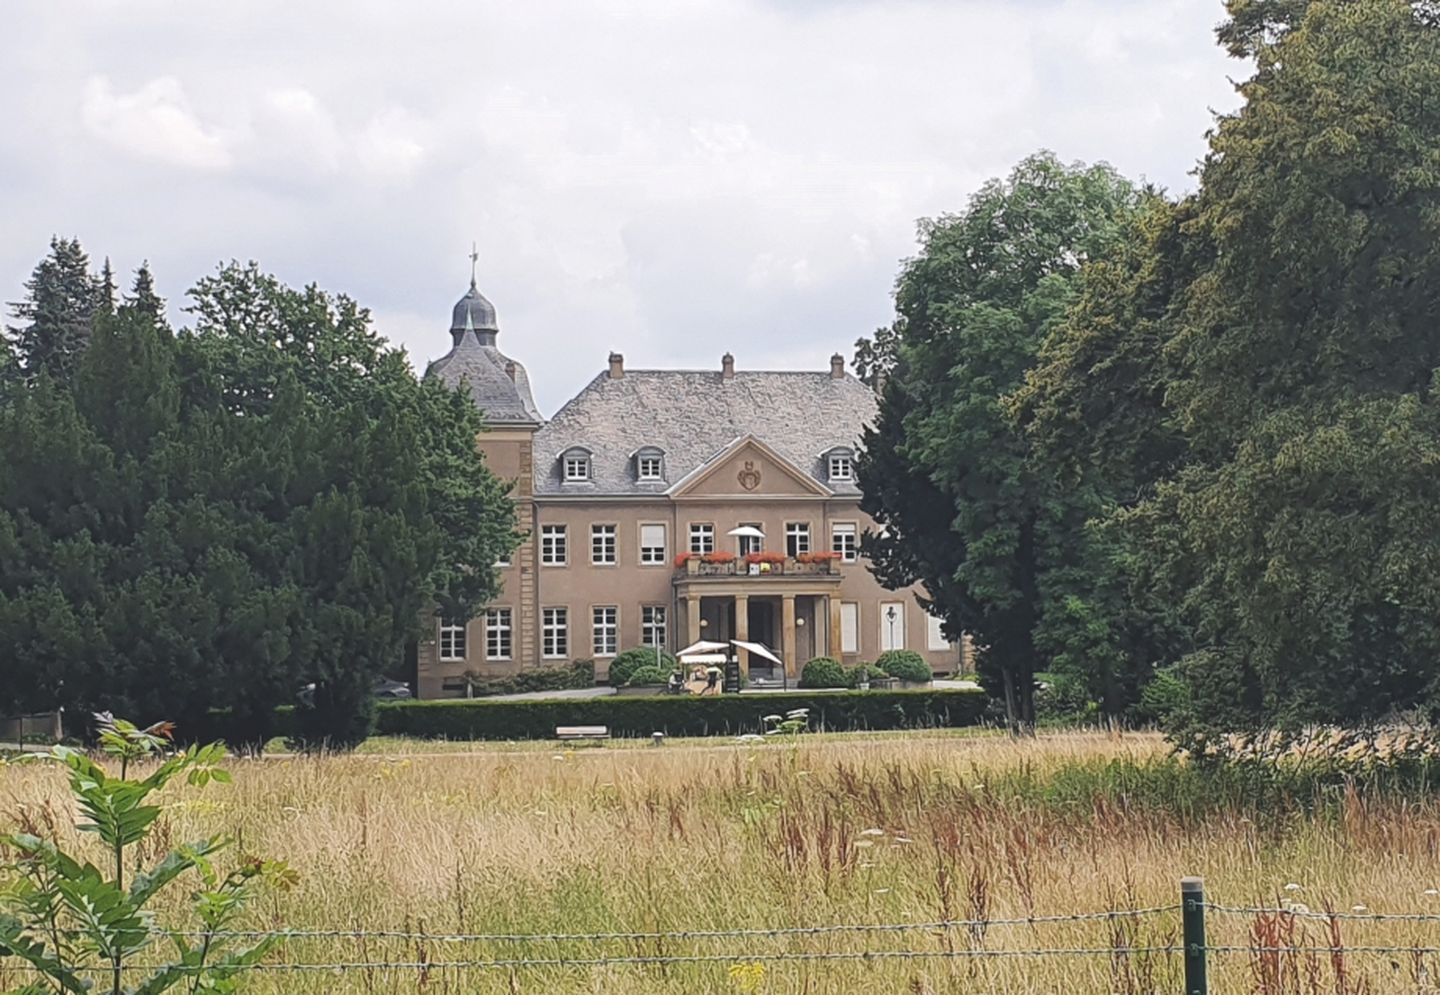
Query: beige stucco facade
[[798, 610]]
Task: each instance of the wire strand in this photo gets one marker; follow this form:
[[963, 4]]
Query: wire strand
[[697, 934]]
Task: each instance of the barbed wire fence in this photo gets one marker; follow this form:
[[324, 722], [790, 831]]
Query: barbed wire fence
[[505, 951]]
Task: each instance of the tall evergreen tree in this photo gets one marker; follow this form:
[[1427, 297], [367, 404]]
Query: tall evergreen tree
[[945, 471], [61, 298], [165, 552], [142, 296], [105, 289]]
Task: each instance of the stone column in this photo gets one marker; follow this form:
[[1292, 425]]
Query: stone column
[[692, 619], [742, 629], [787, 634], [835, 650]]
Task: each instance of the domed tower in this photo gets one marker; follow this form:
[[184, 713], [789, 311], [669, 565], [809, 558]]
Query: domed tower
[[499, 385], [500, 388]]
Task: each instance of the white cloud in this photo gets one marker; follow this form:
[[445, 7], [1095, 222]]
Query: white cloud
[[670, 178], [391, 146], [155, 122], [292, 136]]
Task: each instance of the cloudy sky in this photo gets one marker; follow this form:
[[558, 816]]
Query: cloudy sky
[[666, 178]]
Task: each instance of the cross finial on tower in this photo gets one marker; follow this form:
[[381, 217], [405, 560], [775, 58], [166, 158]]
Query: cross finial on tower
[[474, 258]]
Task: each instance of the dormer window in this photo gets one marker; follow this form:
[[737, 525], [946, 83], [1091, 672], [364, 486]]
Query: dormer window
[[575, 464], [649, 464], [841, 465]]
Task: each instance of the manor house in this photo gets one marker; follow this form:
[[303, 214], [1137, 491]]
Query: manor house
[[662, 507]]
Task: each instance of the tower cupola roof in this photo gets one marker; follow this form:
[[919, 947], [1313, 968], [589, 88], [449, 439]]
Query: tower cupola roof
[[473, 312]]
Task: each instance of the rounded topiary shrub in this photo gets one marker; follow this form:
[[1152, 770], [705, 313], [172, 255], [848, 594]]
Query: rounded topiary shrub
[[862, 672], [905, 665], [823, 672], [648, 674], [623, 667]]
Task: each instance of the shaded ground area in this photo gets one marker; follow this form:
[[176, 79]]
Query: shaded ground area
[[602, 692]]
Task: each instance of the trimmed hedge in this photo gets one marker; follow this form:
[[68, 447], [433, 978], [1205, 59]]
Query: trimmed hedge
[[580, 674], [729, 714], [907, 665], [863, 671], [648, 674], [624, 666], [822, 672]]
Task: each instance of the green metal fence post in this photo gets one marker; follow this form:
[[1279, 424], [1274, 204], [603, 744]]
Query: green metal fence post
[[1192, 906]]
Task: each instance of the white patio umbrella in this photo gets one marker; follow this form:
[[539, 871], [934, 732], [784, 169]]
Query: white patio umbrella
[[703, 646], [748, 531], [759, 650]]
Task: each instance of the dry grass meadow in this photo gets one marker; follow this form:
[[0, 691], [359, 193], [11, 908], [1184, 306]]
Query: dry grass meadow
[[719, 836]]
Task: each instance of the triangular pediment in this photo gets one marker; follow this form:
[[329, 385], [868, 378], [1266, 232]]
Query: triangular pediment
[[748, 468]]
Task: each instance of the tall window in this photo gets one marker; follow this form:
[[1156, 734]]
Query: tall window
[[649, 468], [797, 538], [702, 538], [602, 545], [553, 545], [652, 544], [497, 634], [935, 634], [452, 639], [844, 539], [849, 627], [555, 633], [577, 468], [842, 467], [605, 630], [750, 544], [652, 625]]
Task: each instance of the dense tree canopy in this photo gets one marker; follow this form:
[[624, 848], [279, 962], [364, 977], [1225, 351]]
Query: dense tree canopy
[[209, 520], [1256, 375], [945, 471], [1199, 433]]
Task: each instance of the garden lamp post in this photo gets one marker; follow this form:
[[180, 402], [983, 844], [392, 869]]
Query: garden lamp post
[[890, 617]]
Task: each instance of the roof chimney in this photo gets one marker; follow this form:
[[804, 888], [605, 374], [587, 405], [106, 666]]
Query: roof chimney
[[727, 366], [510, 369], [617, 366], [837, 367]]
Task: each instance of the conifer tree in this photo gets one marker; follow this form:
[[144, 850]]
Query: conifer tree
[[105, 290], [142, 295], [61, 297], [191, 528]]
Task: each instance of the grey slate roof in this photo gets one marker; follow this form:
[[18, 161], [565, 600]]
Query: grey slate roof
[[694, 414], [483, 370], [499, 386]]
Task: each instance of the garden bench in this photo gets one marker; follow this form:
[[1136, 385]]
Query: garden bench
[[582, 732]]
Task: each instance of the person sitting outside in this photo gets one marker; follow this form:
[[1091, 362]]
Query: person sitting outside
[[712, 679]]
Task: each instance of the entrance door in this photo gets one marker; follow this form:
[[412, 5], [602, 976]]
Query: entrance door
[[764, 629]]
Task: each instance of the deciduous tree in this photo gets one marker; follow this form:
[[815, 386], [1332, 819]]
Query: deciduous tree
[[946, 472]]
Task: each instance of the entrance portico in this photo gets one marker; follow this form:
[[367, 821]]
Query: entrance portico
[[795, 617]]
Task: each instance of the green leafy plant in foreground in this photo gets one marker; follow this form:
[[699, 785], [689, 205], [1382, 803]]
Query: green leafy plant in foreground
[[82, 928]]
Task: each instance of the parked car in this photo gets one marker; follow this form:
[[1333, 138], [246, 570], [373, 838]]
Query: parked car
[[385, 690], [388, 690]]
